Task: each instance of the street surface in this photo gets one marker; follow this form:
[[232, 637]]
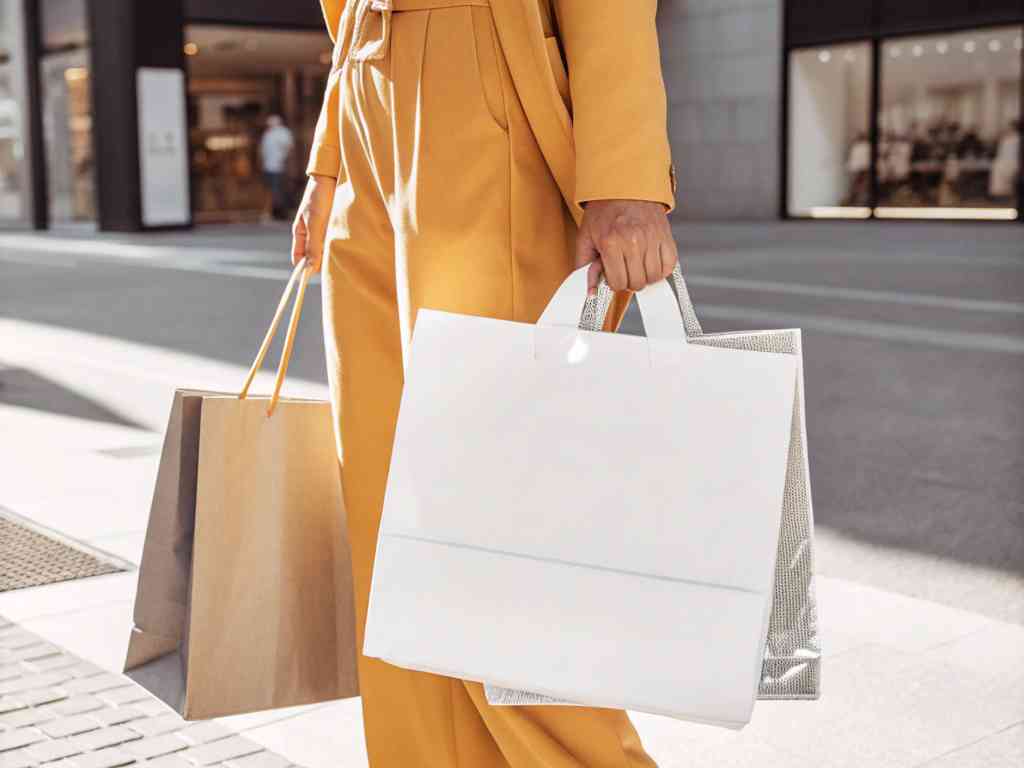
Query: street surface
[[914, 365]]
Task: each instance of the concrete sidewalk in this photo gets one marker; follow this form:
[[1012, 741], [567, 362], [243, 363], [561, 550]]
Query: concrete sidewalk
[[907, 682]]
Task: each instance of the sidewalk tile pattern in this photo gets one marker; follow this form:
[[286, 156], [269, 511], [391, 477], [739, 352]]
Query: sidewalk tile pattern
[[58, 711]]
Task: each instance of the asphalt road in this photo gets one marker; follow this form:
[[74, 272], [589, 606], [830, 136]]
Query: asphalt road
[[913, 348]]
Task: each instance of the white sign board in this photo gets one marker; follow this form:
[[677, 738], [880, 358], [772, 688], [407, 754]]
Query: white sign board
[[163, 147]]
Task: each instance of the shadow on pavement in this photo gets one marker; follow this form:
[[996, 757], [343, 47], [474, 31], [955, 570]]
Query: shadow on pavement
[[913, 448], [27, 389]]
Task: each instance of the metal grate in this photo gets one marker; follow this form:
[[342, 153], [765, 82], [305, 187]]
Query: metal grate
[[30, 556]]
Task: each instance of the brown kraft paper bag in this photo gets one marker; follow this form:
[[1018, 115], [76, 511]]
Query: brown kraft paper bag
[[244, 599]]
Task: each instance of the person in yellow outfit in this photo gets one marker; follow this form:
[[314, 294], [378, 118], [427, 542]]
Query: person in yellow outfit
[[468, 155]]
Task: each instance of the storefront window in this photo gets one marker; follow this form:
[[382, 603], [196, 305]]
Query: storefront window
[[67, 112], [238, 77], [949, 126], [67, 131], [829, 144], [13, 171]]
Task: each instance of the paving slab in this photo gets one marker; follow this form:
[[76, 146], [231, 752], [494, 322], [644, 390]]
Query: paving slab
[[53, 749], [16, 758], [69, 726], [1004, 749], [220, 750], [118, 716], [156, 746], [93, 728], [321, 738]]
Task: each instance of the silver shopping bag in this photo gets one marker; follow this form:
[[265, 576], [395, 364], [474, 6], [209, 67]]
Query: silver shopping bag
[[791, 668]]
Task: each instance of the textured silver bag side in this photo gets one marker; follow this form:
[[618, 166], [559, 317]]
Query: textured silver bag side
[[791, 668]]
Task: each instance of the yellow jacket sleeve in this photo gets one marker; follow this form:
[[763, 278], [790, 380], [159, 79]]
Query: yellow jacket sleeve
[[325, 153], [618, 100]]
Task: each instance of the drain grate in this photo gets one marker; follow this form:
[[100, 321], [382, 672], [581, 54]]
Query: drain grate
[[31, 556]]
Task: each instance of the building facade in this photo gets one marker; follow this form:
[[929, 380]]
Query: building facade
[[123, 115], [897, 109]]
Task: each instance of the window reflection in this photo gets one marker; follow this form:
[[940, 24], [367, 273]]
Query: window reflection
[[949, 125]]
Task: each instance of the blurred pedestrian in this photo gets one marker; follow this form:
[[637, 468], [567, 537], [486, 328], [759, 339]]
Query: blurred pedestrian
[[275, 148], [1002, 180], [858, 165]]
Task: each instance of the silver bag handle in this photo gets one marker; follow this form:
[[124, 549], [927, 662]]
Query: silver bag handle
[[596, 307]]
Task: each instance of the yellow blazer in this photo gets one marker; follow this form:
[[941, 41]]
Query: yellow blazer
[[598, 110]]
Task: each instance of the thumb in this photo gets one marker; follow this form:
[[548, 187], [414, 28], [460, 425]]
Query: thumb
[[299, 236], [314, 247]]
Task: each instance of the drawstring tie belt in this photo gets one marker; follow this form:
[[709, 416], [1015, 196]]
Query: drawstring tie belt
[[372, 33]]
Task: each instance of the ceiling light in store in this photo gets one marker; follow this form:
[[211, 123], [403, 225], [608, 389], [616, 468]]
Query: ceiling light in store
[[994, 46], [942, 46], [970, 46], [918, 50], [191, 49], [226, 142], [824, 57], [895, 52]]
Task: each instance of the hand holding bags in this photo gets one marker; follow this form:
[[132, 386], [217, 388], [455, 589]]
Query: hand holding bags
[[510, 553], [791, 668], [245, 596]]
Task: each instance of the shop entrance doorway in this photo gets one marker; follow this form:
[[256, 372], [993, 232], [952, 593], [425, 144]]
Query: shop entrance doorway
[[239, 77]]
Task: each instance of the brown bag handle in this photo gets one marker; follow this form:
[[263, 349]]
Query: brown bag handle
[[300, 274]]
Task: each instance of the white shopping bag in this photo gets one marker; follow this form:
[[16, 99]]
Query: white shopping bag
[[571, 512]]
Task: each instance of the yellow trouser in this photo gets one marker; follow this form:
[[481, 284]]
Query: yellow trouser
[[444, 201]]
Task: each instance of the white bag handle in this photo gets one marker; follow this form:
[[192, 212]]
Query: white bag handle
[[658, 307]]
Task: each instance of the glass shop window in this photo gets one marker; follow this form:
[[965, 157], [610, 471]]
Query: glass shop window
[[67, 112], [13, 162], [949, 126], [829, 145]]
